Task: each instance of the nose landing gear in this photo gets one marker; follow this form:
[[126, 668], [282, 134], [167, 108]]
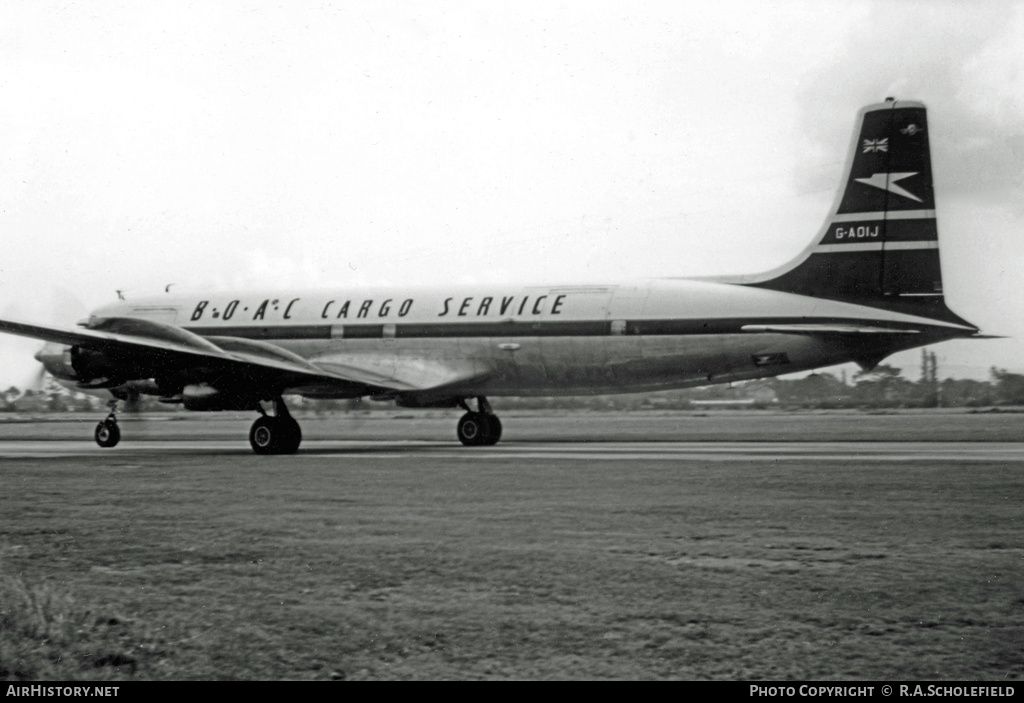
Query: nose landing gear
[[107, 433], [481, 428]]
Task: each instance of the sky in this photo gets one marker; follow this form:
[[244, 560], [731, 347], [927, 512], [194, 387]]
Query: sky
[[266, 144]]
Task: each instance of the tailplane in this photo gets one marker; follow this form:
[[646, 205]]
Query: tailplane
[[879, 245]]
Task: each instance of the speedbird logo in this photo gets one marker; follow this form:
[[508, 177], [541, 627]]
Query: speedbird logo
[[887, 181]]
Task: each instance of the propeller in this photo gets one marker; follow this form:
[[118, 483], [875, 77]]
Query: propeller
[[39, 379]]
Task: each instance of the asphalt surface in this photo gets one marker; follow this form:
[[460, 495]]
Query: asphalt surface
[[569, 451]]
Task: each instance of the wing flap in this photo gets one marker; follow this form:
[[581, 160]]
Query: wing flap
[[407, 374]]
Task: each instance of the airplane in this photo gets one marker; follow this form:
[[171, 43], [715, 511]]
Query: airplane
[[869, 284]]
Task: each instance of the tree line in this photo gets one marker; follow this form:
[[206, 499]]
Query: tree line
[[882, 387]]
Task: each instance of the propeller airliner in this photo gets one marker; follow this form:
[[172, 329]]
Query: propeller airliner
[[869, 284]]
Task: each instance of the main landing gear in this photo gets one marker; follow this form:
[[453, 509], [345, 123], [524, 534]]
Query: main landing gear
[[277, 434], [107, 433], [481, 428]]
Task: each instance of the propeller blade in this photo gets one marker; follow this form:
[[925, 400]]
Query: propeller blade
[[39, 379]]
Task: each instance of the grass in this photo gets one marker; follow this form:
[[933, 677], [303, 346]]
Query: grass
[[46, 634], [350, 565]]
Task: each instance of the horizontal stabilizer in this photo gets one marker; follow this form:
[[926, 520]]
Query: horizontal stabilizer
[[826, 329]]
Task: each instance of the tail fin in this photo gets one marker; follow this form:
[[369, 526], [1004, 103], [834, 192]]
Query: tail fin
[[879, 245]]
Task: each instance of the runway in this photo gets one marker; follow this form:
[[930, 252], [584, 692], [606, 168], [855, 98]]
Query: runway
[[571, 451]]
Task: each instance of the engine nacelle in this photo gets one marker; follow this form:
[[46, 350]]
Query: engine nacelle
[[90, 365], [415, 401], [204, 397], [56, 359]]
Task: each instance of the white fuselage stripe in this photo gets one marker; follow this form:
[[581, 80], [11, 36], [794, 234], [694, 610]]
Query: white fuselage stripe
[[890, 215], [874, 246]]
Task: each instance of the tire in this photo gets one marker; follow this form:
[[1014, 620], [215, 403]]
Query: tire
[[263, 435], [275, 435], [493, 433], [472, 429], [107, 434], [289, 436]]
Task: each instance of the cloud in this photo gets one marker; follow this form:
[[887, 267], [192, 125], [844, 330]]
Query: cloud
[[964, 61]]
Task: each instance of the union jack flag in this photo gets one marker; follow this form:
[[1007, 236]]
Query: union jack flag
[[876, 145]]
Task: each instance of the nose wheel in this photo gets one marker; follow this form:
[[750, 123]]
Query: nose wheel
[[107, 433]]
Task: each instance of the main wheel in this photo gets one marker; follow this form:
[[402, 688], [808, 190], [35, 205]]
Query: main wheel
[[107, 433], [289, 435], [472, 429], [493, 433], [263, 435], [275, 435]]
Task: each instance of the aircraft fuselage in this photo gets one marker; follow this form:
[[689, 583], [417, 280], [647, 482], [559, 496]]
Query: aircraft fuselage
[[650, 335]]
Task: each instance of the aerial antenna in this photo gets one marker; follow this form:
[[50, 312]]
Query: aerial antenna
[[120, 294], [167, 288]]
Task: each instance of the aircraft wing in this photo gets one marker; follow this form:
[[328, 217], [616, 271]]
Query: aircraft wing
[[146, 349]]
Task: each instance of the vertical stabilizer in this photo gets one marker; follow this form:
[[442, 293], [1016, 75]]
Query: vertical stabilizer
[[879, 245]]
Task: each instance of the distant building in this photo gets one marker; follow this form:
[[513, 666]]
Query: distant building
[[725, 404], [747, 395]]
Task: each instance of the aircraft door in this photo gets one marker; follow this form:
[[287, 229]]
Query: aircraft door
[[556, 343], [624, 345], [575, 352]]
